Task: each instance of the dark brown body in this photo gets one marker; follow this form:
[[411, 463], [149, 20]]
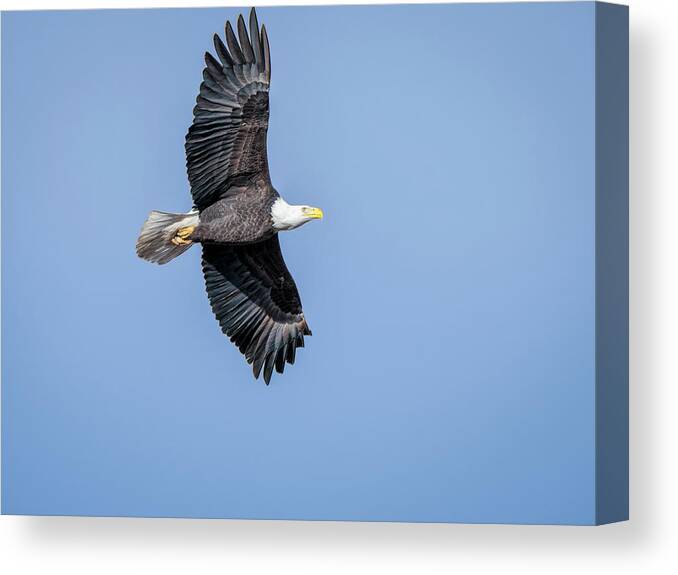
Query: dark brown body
[[242, 217]]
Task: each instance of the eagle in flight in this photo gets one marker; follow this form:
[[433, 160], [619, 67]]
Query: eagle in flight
[[237, 213]]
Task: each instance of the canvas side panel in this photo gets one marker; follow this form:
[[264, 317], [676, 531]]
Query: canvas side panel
[[612, 263]]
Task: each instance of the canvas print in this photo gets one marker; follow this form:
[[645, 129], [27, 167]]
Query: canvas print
[[463, 169]]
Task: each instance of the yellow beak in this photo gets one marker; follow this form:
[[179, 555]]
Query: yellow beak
[[314, 213]]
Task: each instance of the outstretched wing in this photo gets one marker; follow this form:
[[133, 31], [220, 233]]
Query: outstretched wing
[[256, 302], [226, 144]]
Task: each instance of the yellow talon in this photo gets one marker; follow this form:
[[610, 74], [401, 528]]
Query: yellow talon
[[181, 237]]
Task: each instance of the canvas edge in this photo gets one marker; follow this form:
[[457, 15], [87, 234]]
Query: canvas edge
[[612, 263]]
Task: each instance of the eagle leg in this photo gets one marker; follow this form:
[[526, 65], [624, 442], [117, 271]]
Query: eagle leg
[[182, 235]]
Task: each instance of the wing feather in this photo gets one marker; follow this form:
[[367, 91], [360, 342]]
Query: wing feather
[[245, 41], [233, 45], [222, 52], [256, 303], [267, 53], [226, 145], [256, 40]]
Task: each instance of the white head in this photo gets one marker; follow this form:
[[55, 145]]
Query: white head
[[287, 217]]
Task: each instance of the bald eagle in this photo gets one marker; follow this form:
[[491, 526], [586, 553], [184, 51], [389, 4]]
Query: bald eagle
[[237, 213]]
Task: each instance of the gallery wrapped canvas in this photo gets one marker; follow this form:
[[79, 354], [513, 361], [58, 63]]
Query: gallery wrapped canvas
[[327, 263]]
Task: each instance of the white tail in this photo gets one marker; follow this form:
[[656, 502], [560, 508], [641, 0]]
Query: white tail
[[155, 241]]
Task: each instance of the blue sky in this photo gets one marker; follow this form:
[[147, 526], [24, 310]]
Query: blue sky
[[449, 288]]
